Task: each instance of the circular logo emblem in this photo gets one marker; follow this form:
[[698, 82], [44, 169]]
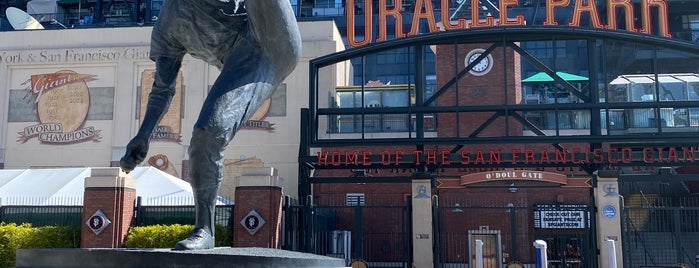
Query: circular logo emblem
[[609, 211], [96, 222], [252, 222]]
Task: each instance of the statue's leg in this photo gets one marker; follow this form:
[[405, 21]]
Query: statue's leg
[[243, 85], [205, 158], [257, 64]]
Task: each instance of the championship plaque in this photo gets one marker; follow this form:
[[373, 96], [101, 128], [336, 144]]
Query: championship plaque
[[67, 104]]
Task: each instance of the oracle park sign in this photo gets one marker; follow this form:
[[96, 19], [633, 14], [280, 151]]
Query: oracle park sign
[[424, 10]]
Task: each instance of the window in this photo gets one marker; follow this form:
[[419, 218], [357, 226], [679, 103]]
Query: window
[[355, 199], [397, 96]]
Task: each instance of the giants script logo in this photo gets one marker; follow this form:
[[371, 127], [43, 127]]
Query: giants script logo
[[62, 103]]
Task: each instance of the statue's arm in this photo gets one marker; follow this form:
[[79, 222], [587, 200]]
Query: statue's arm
[[166, 70]]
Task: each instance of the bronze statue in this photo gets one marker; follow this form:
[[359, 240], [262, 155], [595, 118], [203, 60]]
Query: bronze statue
[[255, 44]]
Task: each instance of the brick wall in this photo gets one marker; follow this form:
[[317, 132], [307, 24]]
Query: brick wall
[[267, 201], [118, 204]]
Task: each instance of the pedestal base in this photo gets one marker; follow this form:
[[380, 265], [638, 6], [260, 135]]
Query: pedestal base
[[217, 257]]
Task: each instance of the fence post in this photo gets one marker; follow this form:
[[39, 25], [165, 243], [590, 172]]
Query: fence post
[[541, 255], [611, 249], [423, 236], [258, 209], [108, 208], [608, 206], [137, 214], [479, 253]]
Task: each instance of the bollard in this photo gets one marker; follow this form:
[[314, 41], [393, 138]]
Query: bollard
[[479, 253], [611, 252], [541, 257]]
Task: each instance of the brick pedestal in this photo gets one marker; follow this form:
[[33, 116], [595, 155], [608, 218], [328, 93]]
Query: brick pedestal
[[258, 209], [108, 210]]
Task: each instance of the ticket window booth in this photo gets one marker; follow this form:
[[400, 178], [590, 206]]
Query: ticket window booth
[[565, 251]]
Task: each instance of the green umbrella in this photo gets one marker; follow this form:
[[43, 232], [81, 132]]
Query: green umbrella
[[544, 77]]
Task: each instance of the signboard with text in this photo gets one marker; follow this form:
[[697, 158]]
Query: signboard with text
[[574, 216]]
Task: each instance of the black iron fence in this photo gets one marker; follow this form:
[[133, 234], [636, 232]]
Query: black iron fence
[[359, 232], [660, 231], [40, 211]]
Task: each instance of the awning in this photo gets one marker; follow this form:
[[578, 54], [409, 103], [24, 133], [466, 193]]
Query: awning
[[650, 79], [544, 77]]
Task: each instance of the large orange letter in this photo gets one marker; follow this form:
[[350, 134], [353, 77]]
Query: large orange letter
[[475, 20], [384, 12], [446, 18], [662, 14], [428, 14], [625, 5], [591, 8], [504, 20], [367, 24], [550, 15]]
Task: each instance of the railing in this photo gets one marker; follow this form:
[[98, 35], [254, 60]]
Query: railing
[[660, 231], [67, 211]]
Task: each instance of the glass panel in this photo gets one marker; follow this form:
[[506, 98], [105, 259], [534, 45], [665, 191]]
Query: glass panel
[[620, 62], [642, 118], [672, 89], [616, 118], [694, 117]]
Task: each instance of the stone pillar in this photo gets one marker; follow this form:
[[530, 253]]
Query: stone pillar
[[108, 210], [258, 209], [607, 201], [422, 222]]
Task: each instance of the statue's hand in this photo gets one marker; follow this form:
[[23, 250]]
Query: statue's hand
[[136, 151]]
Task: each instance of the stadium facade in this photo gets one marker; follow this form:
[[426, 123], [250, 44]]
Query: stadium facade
[[425, 126]]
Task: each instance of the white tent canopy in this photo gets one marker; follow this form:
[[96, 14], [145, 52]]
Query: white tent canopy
[[66, 186]]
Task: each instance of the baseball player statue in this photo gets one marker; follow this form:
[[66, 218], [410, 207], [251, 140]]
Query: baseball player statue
[[255, 44]]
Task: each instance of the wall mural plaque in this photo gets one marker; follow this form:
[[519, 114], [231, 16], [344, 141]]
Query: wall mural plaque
[[170, 127], [62, 103]]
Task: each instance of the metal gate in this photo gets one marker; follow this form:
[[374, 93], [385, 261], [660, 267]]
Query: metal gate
[[379, 236], [660, 231], [507, 233]]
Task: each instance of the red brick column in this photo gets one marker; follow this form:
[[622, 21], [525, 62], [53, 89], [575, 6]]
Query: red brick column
[[254, 204], [108, 210]]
